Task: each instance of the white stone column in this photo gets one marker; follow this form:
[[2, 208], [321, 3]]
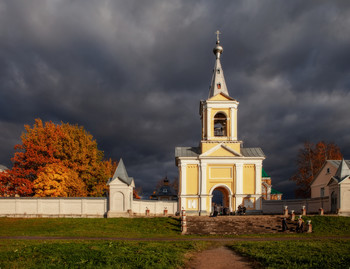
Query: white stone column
[[208, 123], [203, 187], [183, 187], [239, 184], [183, 179], [233, 135], [258, 169], [239, 178]]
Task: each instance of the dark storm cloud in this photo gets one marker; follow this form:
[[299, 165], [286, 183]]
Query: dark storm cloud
[[132, 73]]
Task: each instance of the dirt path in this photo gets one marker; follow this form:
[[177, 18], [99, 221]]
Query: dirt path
[[218, 258]]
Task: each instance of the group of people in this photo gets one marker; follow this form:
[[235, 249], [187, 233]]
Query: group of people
[[299, 228], [219, 210]]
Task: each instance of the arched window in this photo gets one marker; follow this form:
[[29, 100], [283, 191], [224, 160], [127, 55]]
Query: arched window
[[220, 124]]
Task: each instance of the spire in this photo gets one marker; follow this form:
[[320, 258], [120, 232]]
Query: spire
[[218, 84], [343, 171], [121, 173]]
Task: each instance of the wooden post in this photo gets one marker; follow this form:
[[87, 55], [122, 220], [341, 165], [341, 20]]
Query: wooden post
[[183, 222]]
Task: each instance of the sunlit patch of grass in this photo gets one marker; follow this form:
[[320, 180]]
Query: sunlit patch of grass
[[297, 254]]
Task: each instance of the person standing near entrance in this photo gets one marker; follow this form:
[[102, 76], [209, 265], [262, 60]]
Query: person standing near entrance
[[215, 210]]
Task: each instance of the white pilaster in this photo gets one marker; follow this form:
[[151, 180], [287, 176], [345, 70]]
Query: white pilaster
[[239, 201], [203, 187], [208, 123], [239, 178], [258, 168], [233, 135], [183, 179]]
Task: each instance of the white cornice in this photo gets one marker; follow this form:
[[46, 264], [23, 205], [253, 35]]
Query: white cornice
[[242, 160], [221, 104]]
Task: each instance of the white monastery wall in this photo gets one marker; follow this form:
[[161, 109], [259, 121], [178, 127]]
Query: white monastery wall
[[155, 207], [312, 205], [53, 207], [76, 207]]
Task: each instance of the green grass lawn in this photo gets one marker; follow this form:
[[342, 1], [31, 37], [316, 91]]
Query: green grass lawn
[[329, 225], [95, 254], [80, 227], [104, 253], [297, 254], [139, 227]]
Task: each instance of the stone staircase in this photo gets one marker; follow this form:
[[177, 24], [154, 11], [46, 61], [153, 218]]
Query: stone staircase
[[235, 225]]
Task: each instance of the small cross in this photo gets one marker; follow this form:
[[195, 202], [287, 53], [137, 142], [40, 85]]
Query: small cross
[[217, 35]]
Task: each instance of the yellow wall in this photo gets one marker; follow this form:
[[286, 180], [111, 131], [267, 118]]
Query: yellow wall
[[217, 174], [222, 152], [219, 97], [192, 179], [207, 146], [221, 172], [249, 179]]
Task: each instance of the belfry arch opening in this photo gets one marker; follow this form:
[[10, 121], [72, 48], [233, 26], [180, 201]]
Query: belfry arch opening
[[220, 124], [220, 198]]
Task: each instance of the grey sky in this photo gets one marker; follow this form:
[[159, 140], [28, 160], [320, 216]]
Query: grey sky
[[133, 72]]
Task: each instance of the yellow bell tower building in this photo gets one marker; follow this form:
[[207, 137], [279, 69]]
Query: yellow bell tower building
[[220, 170]]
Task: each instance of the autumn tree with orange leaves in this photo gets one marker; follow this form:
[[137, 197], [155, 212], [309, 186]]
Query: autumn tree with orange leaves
[[56, 160], [310, 160]]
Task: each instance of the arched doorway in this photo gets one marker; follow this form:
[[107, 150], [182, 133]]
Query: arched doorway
[[118, 202], [221, 196]]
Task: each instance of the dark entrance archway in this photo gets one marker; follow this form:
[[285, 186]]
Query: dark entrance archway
[[334, 202], [218, 197], [221, 197]]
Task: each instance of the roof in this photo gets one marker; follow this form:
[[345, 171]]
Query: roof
[[187, 152], [195, 152], [342, 172], [335, 163], [3, 167], [121, 174], [274, 191], [263, 173], [252, 152]]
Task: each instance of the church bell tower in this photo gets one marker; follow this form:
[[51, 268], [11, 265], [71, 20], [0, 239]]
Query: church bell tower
[[219, 112], [220, 170]]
